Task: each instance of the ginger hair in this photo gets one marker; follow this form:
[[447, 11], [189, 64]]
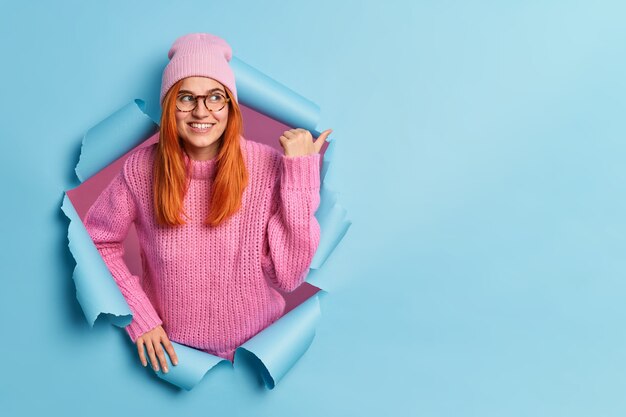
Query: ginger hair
[[171, 178]]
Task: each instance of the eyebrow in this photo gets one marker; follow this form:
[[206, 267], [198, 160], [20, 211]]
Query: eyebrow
[[208, 92]]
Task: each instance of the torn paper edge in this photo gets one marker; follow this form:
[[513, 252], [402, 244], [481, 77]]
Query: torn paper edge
[[96, 290], [332, 218], [113, 137], [281, 345]]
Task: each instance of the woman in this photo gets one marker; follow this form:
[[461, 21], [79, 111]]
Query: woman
[[222, 221]]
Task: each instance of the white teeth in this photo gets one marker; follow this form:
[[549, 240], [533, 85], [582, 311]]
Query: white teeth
[[202, 125]]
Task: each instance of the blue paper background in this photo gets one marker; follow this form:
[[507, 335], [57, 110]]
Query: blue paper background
[[480, 154]]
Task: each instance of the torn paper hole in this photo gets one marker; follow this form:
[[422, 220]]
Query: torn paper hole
[[279, 346]]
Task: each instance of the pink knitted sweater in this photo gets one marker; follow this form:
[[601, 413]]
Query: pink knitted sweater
[[212, 288]]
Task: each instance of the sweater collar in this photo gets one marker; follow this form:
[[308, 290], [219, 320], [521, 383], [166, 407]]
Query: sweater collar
[[201, 170]]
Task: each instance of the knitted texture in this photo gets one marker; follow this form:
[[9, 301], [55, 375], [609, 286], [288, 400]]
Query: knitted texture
[[199, 55], [212, 288]]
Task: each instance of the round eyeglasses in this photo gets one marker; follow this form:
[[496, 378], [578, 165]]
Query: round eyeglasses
[[213, 102]]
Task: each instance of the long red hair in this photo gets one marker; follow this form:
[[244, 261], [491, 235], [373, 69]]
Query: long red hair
[[171, 179]]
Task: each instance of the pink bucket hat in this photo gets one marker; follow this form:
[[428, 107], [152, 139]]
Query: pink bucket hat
[[199, 55]]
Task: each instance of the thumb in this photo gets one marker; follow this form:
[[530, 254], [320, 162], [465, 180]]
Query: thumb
[[321, 139]]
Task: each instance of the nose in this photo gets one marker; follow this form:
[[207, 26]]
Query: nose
[[201, 109]]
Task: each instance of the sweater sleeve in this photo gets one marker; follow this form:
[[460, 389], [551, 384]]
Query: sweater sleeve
[[107, 222], [293, 232]]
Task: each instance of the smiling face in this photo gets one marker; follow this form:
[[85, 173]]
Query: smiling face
[[200, 129]]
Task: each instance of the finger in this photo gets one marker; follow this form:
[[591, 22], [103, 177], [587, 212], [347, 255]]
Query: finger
[[170, 350], [152, 356], [300, 132], [161, 355], [142, 355], [289, 133], [322, 138]]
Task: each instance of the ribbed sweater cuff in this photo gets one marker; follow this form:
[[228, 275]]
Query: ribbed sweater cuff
[[145, 318], [301, 172]]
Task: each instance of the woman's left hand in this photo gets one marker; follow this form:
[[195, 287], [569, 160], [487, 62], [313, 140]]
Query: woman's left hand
[[299, 142]]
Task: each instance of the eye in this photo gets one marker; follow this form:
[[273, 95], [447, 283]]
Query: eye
[[216, 98], [186, 98]]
